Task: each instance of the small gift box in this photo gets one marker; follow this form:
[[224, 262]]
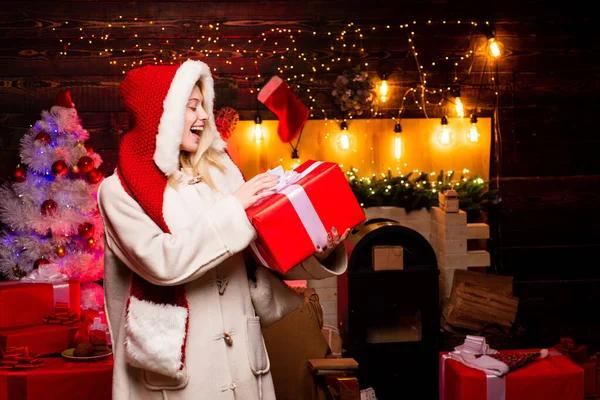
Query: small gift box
[[28, 301], [485, 374], [41, 339], [310, 201]]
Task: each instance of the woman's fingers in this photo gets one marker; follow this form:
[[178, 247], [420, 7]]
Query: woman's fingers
[[336, 237]]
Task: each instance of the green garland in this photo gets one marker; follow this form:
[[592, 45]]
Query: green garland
[[418, 190]]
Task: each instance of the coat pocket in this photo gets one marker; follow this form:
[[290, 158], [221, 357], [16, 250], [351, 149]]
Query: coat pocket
[[255, 345], [155, 381]]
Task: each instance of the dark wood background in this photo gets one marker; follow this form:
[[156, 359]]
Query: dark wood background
[[546, 138]]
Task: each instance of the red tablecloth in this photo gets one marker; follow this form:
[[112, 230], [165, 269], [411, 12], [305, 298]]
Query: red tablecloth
[[552, 378], [59, 379]]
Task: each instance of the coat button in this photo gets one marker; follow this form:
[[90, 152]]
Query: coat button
[[228, 339]]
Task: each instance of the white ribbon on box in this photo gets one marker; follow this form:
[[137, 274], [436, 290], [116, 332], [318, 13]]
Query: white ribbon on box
[[50, 273], [474, 345], [301, 204]]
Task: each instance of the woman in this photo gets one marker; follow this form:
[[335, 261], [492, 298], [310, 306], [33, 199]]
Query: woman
[[178, 299]]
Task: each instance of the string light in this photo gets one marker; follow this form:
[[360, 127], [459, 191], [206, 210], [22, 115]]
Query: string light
[[397, 141], [445, 134], [258, 133], [473, 135]]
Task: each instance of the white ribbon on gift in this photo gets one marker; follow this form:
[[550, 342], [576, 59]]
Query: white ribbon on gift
[[495, 385], [50, 273], [300, 202]]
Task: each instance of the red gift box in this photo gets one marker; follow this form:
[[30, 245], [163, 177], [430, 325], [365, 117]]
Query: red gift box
[[291, 223], [41, 339], [552, 378], [25, 304]]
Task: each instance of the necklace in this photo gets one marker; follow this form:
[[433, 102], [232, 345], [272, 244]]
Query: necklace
[[195, 180]]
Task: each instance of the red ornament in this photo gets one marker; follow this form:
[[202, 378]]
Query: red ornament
[[85, 164], [40, 261], [86, 230], [49, 207], [19, 174], [94, 176], [91, 243], [60, 168], [43, 137], [89, 148], [61, 251], [75, 169]]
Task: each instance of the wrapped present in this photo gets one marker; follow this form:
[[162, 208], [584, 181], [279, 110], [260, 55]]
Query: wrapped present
[[577, 353], [41, 339], [26, 302], [468, 374], [310, 201]]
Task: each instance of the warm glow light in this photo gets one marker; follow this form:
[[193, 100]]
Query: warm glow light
[[398, 147], [494, 48], [258, 133], [473, 135], [383, 89], [344, 141], [445, 134]]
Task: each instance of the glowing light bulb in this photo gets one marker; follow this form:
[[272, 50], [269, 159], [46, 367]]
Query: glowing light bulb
[[445, 135], [344, 139], [258, 133], [473, 135], [384, 88], [494, 47], [397, 142]]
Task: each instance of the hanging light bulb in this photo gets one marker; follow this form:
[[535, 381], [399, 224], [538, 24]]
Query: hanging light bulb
[[494, 47], [258, 133], [460, 111], [344, 138], [445, 135], [384, 88], [397, 142], [473, 135]]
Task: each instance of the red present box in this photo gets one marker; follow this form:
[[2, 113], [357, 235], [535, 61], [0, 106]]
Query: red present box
[[25, 304], [41, 339], [552, 378], [291, 223]]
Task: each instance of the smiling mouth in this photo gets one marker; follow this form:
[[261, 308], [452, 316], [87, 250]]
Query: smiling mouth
[[196, 130]]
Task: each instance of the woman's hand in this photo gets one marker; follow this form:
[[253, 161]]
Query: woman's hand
[[255, 189], [333, 239]]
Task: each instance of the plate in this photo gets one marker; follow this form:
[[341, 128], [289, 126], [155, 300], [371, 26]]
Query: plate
[[68, 354]]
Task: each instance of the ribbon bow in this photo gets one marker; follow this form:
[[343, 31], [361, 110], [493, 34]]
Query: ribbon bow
[[286, 178], [47, 273]]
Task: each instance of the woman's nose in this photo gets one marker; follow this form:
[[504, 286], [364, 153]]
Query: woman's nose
[[202, 114]]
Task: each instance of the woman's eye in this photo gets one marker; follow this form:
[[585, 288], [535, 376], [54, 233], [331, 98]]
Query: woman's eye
[[193, 108]]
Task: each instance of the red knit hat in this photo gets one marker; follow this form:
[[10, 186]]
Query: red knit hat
[[155, 98]]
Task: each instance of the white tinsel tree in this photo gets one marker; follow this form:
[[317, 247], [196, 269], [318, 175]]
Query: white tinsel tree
[[49, 210]]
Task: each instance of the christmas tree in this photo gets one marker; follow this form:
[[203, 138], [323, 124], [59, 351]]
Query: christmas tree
[[49, 210]]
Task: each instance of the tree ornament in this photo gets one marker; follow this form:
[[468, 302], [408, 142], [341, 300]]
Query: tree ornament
[[85, 164], [49, 207], [75, 169], [61, 251], [86, 230], [89, 148], [90, 243], [19, 174], [43, 137], [226, 120], [94, 176], [18, 272], [60, 168], [40, 261]]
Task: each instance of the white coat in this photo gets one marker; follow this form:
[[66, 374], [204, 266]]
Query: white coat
[[203, 251]]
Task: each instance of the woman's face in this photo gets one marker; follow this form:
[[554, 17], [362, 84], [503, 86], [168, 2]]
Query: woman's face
[[194, 121]]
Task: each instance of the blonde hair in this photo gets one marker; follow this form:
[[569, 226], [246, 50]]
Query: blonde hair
[[198, 163]]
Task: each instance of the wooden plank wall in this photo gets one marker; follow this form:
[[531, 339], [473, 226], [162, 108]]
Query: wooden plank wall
[[545, 146]]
